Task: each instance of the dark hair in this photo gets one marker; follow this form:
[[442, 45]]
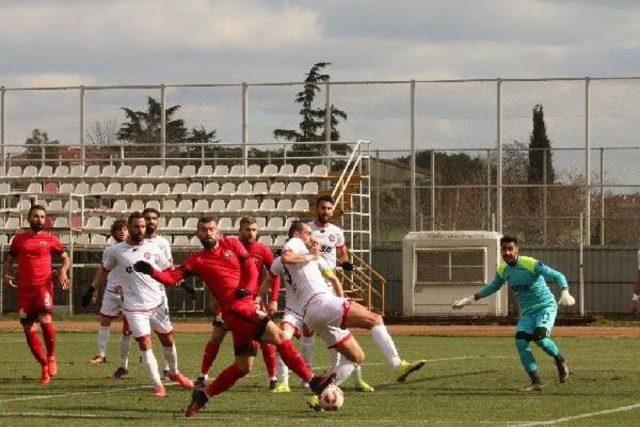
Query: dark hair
[[206, 219], [296, 227], [36, 208], [150, 210], [117, 225], [508, 239], [247, 220], [325, 198], [134, 215]]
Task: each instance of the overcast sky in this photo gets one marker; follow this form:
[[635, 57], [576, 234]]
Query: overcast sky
[[69, 42]]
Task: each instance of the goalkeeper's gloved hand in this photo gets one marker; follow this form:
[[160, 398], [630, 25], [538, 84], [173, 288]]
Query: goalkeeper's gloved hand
[[188, 287], [566, 298], [347, 266], [87, 296], [462, 302], [143, 267]]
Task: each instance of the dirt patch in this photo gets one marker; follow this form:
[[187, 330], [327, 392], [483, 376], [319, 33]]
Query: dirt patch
[[432, 330]]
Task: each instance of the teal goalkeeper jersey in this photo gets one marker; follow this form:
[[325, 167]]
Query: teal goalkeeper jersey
[[528, 280]]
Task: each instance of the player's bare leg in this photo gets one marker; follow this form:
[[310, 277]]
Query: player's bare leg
[[49, 337], [171, 356], [33, 341], [359, 317], [103, 339], [210, 352], [150, 364]]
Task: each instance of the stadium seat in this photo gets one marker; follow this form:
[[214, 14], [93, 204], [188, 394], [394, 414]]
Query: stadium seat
[[24, 204], [61, 172], [303, 170], [196, 187], [130, 188], [284, 205], [77, 171], [280, 241], [14, 172], [93, 171], [270, 170], [153, 204], [191, 223], [5, 187], [50, 187], [139, 171], [4, 240], [227, 188], [251, 205], [225, 224], [114, 188], [93, 222], [169, 205], [163, 188], [265, 240], [46, 171], [188, 171], [221, 170], [277, 188], [261, 221], [275, 223], [253, 171], [268, 205], [185, 206], [124, 171], [195, 241], [108, 171], [234, 205], [97, 188], [61, 222], [98, 239], [66, 187], [310, 188], [72, 205], [180, 240], [218, 206], [108, 221], [201, 205], [162, 222], [205, 170], [157, 171], [212, 188], [172, 171], [82, 188], [111, 240], [65, 238], [175, 223], [244, 188], [120, 206], [82, 239], [236, 170], [136, 205], [260, 188], [180, 188], [55, 205], [34, 188], [29, 171], [12, 223], [320, 170], [293, 188], [301, 205], [286, 170], [146, 188]]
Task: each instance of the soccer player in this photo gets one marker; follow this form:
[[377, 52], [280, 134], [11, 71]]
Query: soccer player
[[635, 299], [230, 273], [248, 234], [527, 278], [329, 313], [32, 249], [144, 300], [111, 306]]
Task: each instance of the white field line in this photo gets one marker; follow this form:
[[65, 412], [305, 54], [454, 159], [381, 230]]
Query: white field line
[[579, 416], [118, 390]]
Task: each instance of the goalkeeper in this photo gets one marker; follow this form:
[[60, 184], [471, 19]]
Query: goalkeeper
[[527, 278]]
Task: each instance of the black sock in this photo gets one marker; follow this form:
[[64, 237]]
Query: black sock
[[535, 378], [559, 359]]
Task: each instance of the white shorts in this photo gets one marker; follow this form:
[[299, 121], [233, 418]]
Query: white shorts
[[111, 304], [325, 315], [295, 320], [142, 322]]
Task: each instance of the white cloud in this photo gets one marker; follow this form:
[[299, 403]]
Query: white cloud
[[50, 79]]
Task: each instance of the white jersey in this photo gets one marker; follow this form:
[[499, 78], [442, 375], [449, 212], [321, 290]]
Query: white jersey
[[329, 238], [140, 291], [112, 278], [164, 246], [302, 281]]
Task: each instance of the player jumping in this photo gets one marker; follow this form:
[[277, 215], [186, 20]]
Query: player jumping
[[33, 249], [538, 308]]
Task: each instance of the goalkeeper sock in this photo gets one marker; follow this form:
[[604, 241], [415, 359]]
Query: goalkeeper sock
[[103, 339], [549, 347], [307, 350], [385, 344], [526, 356]]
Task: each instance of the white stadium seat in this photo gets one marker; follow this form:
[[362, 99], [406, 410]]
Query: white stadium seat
[[260, 188], [270, 170], [124, 171], [175, 223], [188, 171], [82, 188], [310, 188], [172, 171], [154, 204], [61, 172], [286, 170], [268, 205], [136, 205], [251, 205], [12, 223], [140, 171], [293, 188], [29, 171], [97, 188], [284, 205], [253, 170], [46, 171], [120, 206], [201, 205], [108, 171], [280, 241], [98, 239], [82, 239], [61, 221], [130, 188], [218, 206], [265, 240], [277, 188], [66, 187], [195, 241], [234, 205], [114, 188], [244, 188], [14, 172], [93, 171], [146, 188], [24, 204], [191, 223], [236, 170], [261, 221], [301, 205], [169, 205], [35, 188], [163, 188], [180, 240], [108, 221], [213, 188], [303, 170], [221, 170], [55, 205], [157, 171], [5, 187], [77, 171], [275, 223], [185, 206], [72, 205], [320, 170], [225, 224], [205, 170], [196, 187], [227, 188], [93, 222], [180, 188]]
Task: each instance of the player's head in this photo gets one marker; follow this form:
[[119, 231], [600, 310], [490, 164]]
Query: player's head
[[509, 248], [137, 227], [119, 230], [151, 216], [302, 231], [248, 231], [324, 209], [37, 216], [207, 232]]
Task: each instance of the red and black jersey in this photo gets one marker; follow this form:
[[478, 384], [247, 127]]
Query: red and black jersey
[[33, 252]]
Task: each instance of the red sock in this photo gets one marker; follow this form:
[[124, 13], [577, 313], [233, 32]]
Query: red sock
[[210, 353], [294, 360], [269, 356], [36, 347], [49, 335], [225, 380]]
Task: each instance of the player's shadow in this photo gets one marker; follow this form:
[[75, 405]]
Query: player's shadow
[[430, 378]]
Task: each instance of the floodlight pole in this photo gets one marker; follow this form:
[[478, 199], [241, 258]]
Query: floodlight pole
[[499, 156], [163, 124], [82, 146], [587, 162], [245, 129], [412, 184]]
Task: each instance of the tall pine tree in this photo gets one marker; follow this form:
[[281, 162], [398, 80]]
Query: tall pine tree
[[540, 146]]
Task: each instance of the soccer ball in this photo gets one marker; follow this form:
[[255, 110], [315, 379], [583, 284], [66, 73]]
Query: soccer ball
[[331, 398]]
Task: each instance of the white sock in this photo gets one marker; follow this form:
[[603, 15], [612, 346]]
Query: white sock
[[334, 358], [125, 341], [307, 350], [283, 370], [151, 365], [171, 356], [103, 339], [385, 344], [344, 370], [357, 373]]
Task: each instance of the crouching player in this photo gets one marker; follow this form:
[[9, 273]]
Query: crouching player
[[526, 277]]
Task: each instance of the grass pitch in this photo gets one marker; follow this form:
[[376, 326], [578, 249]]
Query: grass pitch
[[467, 381]]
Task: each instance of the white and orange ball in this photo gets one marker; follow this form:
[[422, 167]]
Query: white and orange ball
[[331, 398]]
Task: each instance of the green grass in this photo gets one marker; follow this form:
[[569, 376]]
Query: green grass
[[476, 385]]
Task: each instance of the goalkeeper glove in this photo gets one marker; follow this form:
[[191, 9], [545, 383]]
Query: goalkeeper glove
[[566, 298], [462, 302], [143, 267], [87, 296]]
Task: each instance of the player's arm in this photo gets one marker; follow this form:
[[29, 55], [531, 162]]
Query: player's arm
[[290, 257], [488, 289], [342, 255], [330, 275], [275, 282], [552, 275], [169, 277], [7, 269], [91, 294], [64, 270]]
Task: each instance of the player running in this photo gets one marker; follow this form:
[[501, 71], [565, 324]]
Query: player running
[[111, 306], [247, 234], [527, 277], [329, 314], [231, 275], [32, 249], [144, 300]]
